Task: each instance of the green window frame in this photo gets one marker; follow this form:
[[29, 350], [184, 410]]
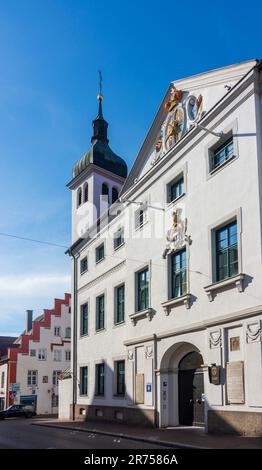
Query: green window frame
[[176, 188], [100, 252], [100, 379], [119, 239], [143, 289], [84, 381], [84, 320], [100, 312], [178, 274], [83, 265], [120, 377], [222, 154], [120, 304], [226, 251]]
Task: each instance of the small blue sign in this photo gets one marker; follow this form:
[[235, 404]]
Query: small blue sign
[[149, 387]]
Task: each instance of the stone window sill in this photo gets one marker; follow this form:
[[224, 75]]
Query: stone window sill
[[147, 313], [183, 299], [235, 281]]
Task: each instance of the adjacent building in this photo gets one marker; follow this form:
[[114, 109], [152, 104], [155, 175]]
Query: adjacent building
[[37, 357], [5, 343], [167, 264]]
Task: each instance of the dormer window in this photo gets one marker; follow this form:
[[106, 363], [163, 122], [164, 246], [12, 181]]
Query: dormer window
[[114, 195], [79, 197], [86, 192]]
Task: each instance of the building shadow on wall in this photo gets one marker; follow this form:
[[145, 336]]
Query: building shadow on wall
[[114, 407]]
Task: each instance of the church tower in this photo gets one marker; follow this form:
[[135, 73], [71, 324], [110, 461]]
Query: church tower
[[97, 178]]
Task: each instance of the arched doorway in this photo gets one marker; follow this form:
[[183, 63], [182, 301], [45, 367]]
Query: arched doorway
[[191, 390]]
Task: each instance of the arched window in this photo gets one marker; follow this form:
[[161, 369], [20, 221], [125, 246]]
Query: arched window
[[114, 195], [105, 191], [68, 332], [79, 197], [86, 192]]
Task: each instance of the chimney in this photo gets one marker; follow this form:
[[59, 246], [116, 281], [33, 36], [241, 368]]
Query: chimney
[[29, 320]]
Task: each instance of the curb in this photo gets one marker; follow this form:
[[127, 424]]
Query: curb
[[123, 436]]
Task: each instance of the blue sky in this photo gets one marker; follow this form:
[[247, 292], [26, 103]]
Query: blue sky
[[50, 51]]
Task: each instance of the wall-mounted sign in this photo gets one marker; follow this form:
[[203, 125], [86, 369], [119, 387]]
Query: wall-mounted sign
[[149, 387], [214, 374], [235, 382]]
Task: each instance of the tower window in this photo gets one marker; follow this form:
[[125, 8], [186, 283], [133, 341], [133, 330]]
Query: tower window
[[86, 192], [114, 195], [79, 197], [105, 191]]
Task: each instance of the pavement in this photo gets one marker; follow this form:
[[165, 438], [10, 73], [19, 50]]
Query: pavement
[[17, 433], [177, 437]]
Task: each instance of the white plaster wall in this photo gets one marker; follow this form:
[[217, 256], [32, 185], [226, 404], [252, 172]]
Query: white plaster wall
[[65, 388], [234, 189]]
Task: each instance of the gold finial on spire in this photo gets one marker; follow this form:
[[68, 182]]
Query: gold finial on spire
[[100, 96]]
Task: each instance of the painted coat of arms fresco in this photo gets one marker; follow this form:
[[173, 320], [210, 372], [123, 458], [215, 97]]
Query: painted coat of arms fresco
[[183, 110]]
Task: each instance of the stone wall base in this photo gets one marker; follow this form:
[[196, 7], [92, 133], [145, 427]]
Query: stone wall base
[[243, 423], [142, 417]]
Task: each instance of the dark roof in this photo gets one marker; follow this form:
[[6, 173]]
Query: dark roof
[[5, 343], [100, 153]]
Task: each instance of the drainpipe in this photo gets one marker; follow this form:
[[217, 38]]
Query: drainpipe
[[75, 257]]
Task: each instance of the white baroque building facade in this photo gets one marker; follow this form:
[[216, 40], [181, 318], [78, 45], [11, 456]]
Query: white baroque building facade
[[167, 297]]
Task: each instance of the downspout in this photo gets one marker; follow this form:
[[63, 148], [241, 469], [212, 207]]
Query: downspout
[[74, 372]]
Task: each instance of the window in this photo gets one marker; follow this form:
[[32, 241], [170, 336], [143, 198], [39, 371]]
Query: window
[[141, 216], [178, 274], [119, 238], [32, 377], [142, 289], [176, 189], [2, 380], [79, 197], [114, 195], [83, 265], [54, 401], [100, 379], [100, 252], [226, 251], [120, 377], [84, 320], [100, 312], [86, 192], [83, 380], [120, 304], [57, 331], [57, 355], [56, 374], [68, 355], [68, 332], [41, 354], [105, 192], [32, 352], [222, 154]]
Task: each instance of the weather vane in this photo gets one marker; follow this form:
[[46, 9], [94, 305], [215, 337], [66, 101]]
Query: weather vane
[[100, 96]]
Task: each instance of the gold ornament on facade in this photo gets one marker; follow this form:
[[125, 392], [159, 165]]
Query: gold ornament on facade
[[175, 97]]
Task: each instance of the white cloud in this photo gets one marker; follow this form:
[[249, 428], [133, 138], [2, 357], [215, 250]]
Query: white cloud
[[36, 292]]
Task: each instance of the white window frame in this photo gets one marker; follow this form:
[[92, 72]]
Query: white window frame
[[42, 353], [57, 355], [57, 329]]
